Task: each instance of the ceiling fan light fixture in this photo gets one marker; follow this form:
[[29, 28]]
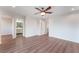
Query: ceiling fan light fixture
[[43, 13], [73, 9]]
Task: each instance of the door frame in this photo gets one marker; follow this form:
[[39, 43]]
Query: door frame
[[14, 27]]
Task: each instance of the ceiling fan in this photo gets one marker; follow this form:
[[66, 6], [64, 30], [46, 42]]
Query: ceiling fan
[[43, 11]]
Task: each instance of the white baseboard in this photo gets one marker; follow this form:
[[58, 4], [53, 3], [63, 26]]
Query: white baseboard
[[63, 38]]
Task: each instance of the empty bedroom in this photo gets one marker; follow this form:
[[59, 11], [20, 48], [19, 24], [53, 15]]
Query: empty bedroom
[[39, 29]]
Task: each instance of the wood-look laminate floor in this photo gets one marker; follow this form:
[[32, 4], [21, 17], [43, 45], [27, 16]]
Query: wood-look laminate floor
[[39, 44]]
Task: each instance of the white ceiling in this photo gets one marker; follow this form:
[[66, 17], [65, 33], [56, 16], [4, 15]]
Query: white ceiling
[[30, 10]]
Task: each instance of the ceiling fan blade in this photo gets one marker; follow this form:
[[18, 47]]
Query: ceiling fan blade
[[37, 13], [48, 8], [38, 9], [49, 12]]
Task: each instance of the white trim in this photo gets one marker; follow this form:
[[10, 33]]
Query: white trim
[[13, 28], [23, 27]]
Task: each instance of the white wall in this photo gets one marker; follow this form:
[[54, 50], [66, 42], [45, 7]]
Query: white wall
[[65, 27], [0, 31], [5, 23], [33, 27], [6, 26]]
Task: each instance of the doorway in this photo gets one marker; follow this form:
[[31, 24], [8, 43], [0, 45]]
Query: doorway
[[19, 27]]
